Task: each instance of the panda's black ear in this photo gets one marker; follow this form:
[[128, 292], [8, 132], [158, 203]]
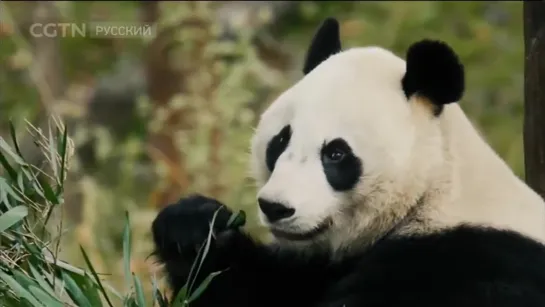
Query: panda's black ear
[[325, 43], [435, 72]]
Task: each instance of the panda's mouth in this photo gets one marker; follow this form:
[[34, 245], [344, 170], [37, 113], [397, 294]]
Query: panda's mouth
[[302, 235]]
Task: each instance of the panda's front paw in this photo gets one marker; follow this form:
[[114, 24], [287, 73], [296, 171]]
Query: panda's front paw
[[180, 229]]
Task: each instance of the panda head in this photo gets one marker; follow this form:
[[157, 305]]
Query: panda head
[[351, 148]]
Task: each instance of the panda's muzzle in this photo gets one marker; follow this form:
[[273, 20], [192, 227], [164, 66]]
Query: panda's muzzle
[[301, 236]]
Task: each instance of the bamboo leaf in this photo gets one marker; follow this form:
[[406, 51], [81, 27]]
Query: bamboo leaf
[[12, 217], [157, 295], [4, 193], [181, 297], [74, 291], [95, 275], [52, 153], [140, 297], [9, 190], [49, 195], [206, 249], [127, 250], [87, 287], [14, 139], [7, 149], [41, 280], [62, 152], [237, 220], [44, 297], [9, 169], [200, 289], [19, 290]]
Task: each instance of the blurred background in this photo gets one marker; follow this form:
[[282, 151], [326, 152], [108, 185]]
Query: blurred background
[[155, 117]]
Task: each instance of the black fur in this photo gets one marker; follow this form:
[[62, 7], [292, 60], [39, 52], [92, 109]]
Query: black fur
[[461, 267], [435, 72], [325, 43], [342, 168], [277, 145]]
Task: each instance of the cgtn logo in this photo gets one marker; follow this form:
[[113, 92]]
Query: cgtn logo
[[94, 30], [57, 30]]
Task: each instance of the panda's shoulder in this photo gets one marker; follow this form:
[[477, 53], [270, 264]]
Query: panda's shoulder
[[464, 244], [465, 264]]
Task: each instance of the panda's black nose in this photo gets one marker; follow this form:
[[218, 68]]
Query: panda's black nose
[[274, 211]]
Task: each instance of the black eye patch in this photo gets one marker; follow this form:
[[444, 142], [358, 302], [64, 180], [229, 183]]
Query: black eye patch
[[341, 167], [277, 145]]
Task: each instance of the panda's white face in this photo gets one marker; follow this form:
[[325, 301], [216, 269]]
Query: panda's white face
[[342, 150], [350, 149]]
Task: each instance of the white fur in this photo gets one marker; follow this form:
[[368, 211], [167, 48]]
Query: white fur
[[408, 156]]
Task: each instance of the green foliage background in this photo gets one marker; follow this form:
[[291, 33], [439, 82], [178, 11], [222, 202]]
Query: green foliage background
[[120, 175]]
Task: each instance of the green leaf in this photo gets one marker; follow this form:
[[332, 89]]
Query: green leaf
[[62, 152], [4, 193], [44, 297], [140, 298], [9, 190], [52, 153], [162, 302], [31, 247], [206, 249], [127, 250], [54, 279], [49, 195], [9, 169], [130, 302], [10, 301], [181, 299], [33, 180], [181, 296], [20, 182], [95, 275], [19, 290], [87, 287], [7, 149], [22, 279], [200, 289], [12, 216], [237, 220], [41, 280], [112, 291], [74, 291], [14, 138], [157, 295]]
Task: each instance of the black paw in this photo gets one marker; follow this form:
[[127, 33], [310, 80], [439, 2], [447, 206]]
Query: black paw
[[180, 229]]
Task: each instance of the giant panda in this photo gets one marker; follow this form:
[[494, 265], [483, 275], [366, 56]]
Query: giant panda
[[378, 192]]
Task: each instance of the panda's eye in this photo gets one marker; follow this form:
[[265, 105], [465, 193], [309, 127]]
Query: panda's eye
[[335, 151], [341, 166], [335, 155]]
